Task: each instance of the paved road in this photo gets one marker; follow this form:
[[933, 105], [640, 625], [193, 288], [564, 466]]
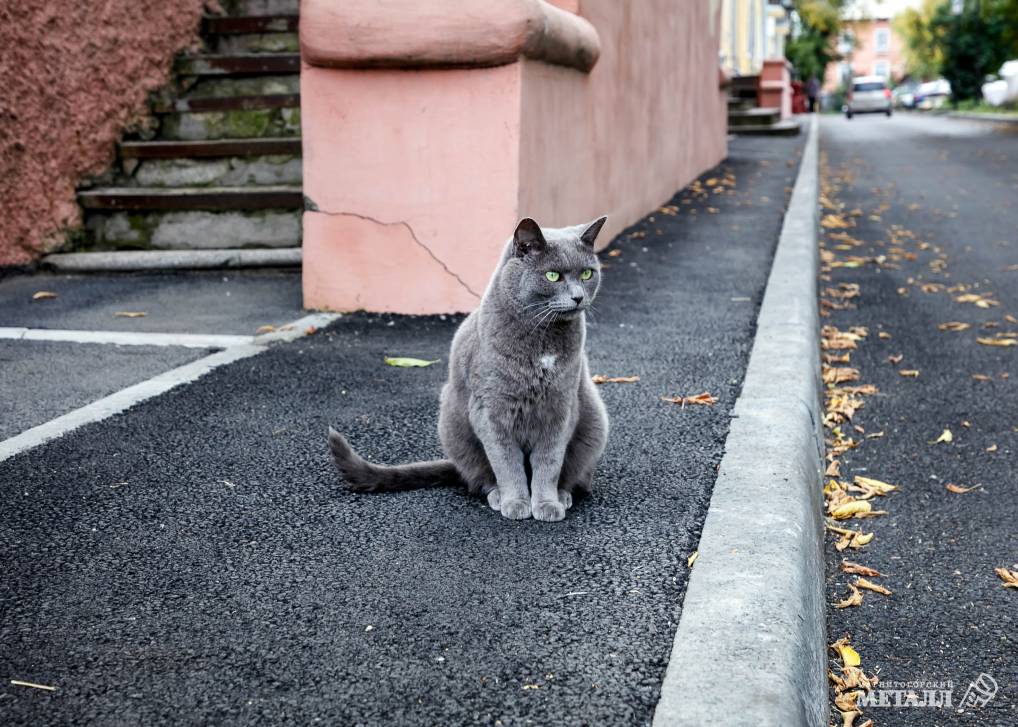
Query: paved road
[[230, 581], [954, 186], [40, 380]]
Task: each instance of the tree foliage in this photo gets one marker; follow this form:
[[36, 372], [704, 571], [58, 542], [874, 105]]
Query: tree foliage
[[962, 47], [812, 47]]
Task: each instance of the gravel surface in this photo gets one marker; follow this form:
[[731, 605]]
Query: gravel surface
[[230, 580]]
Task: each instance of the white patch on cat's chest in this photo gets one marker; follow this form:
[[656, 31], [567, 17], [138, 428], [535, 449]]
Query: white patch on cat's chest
[[548, 361]]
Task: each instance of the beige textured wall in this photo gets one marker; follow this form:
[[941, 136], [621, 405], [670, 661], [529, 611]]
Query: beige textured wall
[[73, 75]]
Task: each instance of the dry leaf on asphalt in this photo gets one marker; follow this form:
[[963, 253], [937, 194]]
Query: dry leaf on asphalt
[[704, 399], [870, 586], [602, 379], [945, 436], [44, 295], [871, 487], [992, 448], [884, 334], [854, 599], [265, 329], [958, 489], [1009, 577], [848, 655], [982, 377], [839, 374], [909, 373], [404, 362], [981, 301], [853, 539], [130, 314], [895, 358], [854, 508], [692, 558], [954, 326], [998, 341], [859, 569]]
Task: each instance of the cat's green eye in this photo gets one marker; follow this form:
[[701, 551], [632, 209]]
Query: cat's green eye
[[553, 276], [587, 274]]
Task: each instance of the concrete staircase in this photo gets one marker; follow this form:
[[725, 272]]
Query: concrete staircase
[[219, 167], [744, 117]]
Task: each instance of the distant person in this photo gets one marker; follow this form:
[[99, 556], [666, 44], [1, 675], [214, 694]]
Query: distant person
[[812, 91]]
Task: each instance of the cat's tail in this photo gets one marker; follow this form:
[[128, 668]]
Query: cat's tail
[[362, 476]]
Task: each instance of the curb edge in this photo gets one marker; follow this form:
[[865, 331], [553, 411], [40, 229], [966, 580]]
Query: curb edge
[[750, 647]]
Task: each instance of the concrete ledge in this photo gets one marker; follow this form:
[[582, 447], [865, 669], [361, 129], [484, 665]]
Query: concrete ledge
[[443, 34], [133, 260], [750, 648]]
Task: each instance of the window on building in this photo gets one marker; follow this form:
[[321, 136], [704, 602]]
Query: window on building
[[883, 40], [882, 68]]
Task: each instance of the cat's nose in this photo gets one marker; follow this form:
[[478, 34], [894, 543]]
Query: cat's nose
[[577, 299]]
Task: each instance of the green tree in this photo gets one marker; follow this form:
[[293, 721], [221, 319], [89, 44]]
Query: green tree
[[973, 43], [811, 47], [922, 47]]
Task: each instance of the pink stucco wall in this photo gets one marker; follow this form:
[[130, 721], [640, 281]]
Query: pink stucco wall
[[419, 176], [647, 119], [74, 74]]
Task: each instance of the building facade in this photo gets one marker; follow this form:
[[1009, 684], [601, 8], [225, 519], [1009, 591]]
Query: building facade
[[868, 46], [752, 31]]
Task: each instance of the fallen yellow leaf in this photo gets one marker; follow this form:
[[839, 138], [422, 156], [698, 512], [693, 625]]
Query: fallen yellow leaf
[[404, 362], [704, 399], [910, 373], [265, 329], [1003, 342], [945, 436], [44, 295], [992, 448], [692, 558], [895, 359], [958, 489], [982, 377], [854, 599], [849, 656], [954, 326], [1009, 577], [876, 486], [870, 586], [859, 569], [602, 379], [854, 508]]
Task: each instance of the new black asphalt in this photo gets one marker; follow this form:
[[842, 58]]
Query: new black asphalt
[[954, 186], [194, 561]]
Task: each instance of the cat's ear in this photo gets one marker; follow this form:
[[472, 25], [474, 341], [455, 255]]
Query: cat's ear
[[527, 238], [589, 234]]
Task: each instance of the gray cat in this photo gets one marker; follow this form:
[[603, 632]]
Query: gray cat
[[519, 403]]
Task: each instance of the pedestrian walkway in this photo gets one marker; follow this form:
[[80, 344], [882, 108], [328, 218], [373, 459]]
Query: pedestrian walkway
[[195, 554]]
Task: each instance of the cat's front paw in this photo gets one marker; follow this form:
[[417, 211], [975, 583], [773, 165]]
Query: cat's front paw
[[495, 500], [566, 498], [550, 511], [515, 509]]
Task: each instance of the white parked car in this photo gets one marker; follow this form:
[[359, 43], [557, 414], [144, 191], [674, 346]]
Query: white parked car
[[868, 95]]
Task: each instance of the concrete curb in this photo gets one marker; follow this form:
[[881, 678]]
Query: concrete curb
[[136, 260], [750, 648], [988, 118]]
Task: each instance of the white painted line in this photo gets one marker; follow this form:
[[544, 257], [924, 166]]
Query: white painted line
[[127, 338], [126, 398], [122, 400]]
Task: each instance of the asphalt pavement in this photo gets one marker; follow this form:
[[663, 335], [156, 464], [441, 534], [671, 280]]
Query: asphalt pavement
[[194, 561], [934, 203]]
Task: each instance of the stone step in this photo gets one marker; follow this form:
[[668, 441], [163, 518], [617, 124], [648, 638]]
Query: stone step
[[753, 117], [228, 103], [192, 198], [244, 171], [254, 43], [789, 127], [240, 8], [252, 34], [222, 86], [290, 146], [738, 104], [238, 124], [219, 25], [192, 229], [744, 82], [241, 64]]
